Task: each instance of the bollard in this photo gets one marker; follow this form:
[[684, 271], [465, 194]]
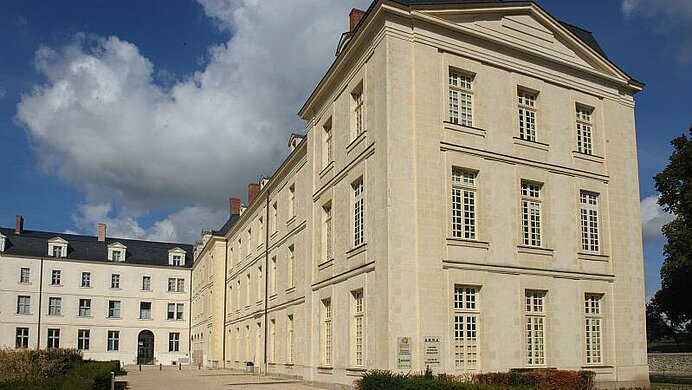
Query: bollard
[[112, 380], [199, 366], [160, 367], [140, 367], [180, 367]]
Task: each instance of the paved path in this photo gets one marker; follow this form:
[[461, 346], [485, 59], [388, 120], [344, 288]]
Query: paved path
[[191, 378]]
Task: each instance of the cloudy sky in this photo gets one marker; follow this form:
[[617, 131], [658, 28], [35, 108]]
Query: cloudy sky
[[148, 115]]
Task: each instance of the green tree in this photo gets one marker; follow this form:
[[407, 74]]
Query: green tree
[[674, 299]]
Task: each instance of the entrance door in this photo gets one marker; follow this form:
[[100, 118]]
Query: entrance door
[[145, 347]]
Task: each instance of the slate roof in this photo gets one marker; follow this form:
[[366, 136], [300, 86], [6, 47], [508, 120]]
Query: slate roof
[[35, 244], [227, 226]]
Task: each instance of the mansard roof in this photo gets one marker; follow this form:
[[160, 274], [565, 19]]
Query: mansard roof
[[34, 243]]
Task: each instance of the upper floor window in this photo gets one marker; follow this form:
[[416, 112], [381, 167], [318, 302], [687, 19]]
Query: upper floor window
[[23, 304], [291, 200], [531, 213], [85, 307], [116, 251], [327, 147], [460, 98], [358, 212], [175, 311], [146, 283], [145, 310], [358, 110], [328, 232], [589, 221], [527, 114], [176, 257], [24, 275], [54, 306], [3, 240], [463, 204], [115, 280], [57, 247], [56, 277], [275, 217], [176, 285], [86, 279], [584, 130]]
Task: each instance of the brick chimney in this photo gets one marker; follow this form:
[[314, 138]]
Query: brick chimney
[[19, 225], [234, 206], [354, 17], [253, 190], [102, 232]]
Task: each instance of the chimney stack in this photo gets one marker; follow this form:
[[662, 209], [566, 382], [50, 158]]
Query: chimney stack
[[234, 206], [102, 232], [19, 225], [253, 190], [354, 17]]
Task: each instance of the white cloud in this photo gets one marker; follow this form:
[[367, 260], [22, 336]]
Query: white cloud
[[101, 122], [653, 218], [672, 18]]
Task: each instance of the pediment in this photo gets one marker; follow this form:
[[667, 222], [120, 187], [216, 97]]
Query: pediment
[[176, 250], [530, 29], [116, 245], [57, 240]]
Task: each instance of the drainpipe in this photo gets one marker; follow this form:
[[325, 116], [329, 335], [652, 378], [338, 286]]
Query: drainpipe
[[189, 321], [40, 306], [225, 297], [266, 280]]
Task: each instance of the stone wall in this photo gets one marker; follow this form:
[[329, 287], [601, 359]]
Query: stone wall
[[670, 362]]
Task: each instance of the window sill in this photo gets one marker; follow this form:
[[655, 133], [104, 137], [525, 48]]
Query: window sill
[[326, 169], [116, 288], [356, 371], [23, 314], [465, 129], [531, 144], [587, 157], [325, 264], [592, 256], [114, 318], [57, 285], [55, 315], [290, 289], [146, 290], [291, 220], [469, 243], [272, 297], [85, 287], [144, 319], [24, 283], [534, 250], [274, 233], [89, 316], [356, 141], [325, 369], [357, 250], [289, 365]]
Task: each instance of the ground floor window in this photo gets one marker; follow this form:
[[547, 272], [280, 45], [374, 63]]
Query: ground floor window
[[173, 342], [22, 338], [53, 338]]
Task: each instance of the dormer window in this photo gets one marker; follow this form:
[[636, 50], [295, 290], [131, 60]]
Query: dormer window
[[57, 247], [2, 242], [176, 257], [116, 251]]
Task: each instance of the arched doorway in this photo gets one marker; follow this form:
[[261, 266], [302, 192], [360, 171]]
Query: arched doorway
[[145, 347]]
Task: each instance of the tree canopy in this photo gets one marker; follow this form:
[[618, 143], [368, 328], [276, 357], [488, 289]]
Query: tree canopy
[[674, 183]]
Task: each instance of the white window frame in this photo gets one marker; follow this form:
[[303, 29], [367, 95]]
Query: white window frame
[[86, 280], [83, 339], [56, 277], [290, 260], [54, 306], [115, 281], [22, 338], [328, 211], [292, 201], [358, 328], [25, 275], [460, 91], [464, 204], [272, 277], [589, 222], [327, 336], [146, 283], [358, 104], [145, 314], [275, 217], [53, 340], [23, 304], [328, 143], [114, 309], [531, 213], [271, 358], [260, 286], [358, 188], [528, 114], [593, 328], [584, 127], [84, 309], [535, 328], [290, 348], [466, 328], [113, 340], [173, 341]]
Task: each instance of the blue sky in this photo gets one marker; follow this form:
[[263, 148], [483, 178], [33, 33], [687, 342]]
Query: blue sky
[[107, 107]]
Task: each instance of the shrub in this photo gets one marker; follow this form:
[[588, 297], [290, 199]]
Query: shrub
[[541, 379], [387, 380], [85, 376], [32, 364]]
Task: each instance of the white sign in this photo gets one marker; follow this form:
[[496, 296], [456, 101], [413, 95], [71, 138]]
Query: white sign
[[431, 346], [403, 352]]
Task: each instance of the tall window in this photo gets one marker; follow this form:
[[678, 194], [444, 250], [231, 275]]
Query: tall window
[[328, 232], [291, 201], [247, 343], [535, 328], [53, 338], [113, 340], [176, 285], [175, 311], [83, 339], [146, 283], [272, 341], [290, 354], [238, 295], [115, 280], [531, 213], [466, 312], [527, 115], [275, 217], [22, 340], [327, 332], [584, 130], [272, 277], [589, 221], [593, 318], [260, 286], [358, 110], [55, 277], [463, 204], [358, 213], [85, 307], [247, 290], [289, 267], [327, 147], [113, 309], [23, 304], [24, 275], [460, 98], [86, 279], [358, 338], [173, 342], [249, 241], [54, 306], [145, 310], [260, 231]]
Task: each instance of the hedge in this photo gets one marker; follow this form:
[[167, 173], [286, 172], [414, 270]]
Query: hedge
[[514, 380], [28, 365], [85, 376]]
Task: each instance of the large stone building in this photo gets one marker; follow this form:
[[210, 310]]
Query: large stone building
[[110, 298], [465, 198]]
